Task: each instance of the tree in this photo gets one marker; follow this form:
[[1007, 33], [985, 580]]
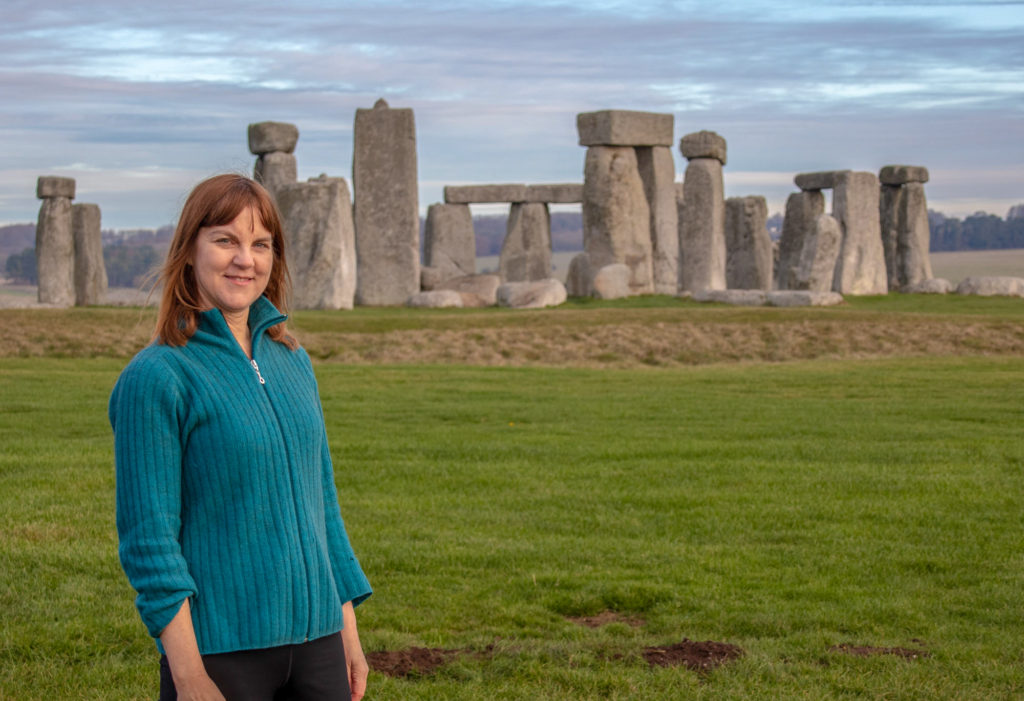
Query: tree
[[21, 267]]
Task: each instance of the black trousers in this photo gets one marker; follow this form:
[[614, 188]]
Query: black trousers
[[311, 671]]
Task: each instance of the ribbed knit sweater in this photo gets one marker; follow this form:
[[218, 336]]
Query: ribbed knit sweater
[[225, 490]]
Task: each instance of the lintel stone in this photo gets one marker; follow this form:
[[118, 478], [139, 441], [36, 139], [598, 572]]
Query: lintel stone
[[557, 193], [703, 144], [901, 175], [48, 186], [624, 128], [821, 180], [480, 194], [267, 137]]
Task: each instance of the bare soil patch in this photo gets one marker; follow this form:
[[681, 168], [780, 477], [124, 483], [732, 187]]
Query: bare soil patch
[[871, 651], [417, 661], [698, 656], [606, 617]]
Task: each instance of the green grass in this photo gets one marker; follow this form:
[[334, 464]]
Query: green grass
[[784, 508]]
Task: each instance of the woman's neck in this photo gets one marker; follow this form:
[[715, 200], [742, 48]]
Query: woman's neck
[[239, 325]]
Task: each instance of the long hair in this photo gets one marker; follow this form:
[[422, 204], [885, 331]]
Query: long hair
[[214, 202]]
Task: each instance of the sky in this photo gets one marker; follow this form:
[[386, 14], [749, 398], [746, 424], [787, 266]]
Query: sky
[[139, 101]]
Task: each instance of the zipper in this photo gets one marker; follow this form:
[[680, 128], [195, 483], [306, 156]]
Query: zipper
[[257, 369]]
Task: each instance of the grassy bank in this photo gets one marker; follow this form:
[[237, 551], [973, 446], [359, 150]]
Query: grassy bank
[[785, 508]]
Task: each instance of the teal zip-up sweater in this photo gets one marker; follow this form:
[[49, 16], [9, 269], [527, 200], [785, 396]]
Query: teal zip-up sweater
[[225, 490]]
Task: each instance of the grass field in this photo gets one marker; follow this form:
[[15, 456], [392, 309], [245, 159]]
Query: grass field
[[784, 507]]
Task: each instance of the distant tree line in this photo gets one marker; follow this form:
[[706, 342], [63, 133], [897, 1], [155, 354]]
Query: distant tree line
[[980, 231]]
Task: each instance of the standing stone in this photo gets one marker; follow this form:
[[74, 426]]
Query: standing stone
[[611, 282], [273, 144], [448, 240], [889, 200], [616, 216], [578, 279], [55, 244], [913, 243], [819, 254], [90, 271], [702, 228], [802, 208], [860, 269], [748, 264], [386, 205], [275, 170], [658, 173], [526, 250], [317, 221]]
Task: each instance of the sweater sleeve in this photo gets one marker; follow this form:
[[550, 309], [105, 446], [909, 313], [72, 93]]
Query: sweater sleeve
[[348, 575], [146, 411]]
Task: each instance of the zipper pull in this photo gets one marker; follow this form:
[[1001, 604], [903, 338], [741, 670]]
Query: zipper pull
[[257, 369]]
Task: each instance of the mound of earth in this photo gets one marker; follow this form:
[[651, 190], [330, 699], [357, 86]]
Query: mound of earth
[[412, 661], [699, 656]]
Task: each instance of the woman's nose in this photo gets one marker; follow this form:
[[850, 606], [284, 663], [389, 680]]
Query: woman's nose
[[243, 257]]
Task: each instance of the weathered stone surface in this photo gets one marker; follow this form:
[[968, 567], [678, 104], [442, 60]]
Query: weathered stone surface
[[860, 269], [680, 193], [386, 205], [579, 278], [819, 254], [901, 175], [913, 242], [476, 290], [267, 137], [889, 220], [703, 144], [526, 250], [55, 253], [748, 263], [934, 286], [616, 216], [448, 241], [802, 208], [802, 298], [658, 173], [275, 169], [554, 193], [48, 186], [317, 220], [90, 270], [531, 295], [483, 194], [611, 282], [702, 227], [997, 286], [435, 299], [430, 278], [624, 128], [743, 298], [822, 180]]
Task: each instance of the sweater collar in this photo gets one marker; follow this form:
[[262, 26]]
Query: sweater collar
[[262, 315]]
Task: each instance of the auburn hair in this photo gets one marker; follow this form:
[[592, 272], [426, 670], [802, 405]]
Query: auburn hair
[[214, 202]]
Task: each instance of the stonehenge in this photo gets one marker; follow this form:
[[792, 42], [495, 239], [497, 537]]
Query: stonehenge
[[802, 208], [449, 246], [273, 144], [90, 272], [903, 213], [702, 250], [748, 263]]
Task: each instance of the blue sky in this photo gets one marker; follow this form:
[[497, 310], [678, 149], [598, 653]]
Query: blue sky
[[138, 101]]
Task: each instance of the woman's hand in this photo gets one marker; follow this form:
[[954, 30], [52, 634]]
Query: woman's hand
[[197, 688], [358, 670]]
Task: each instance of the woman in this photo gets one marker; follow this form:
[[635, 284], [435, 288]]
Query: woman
[[227, 512]]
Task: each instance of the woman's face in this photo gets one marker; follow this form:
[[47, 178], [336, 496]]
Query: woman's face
[[232, 263]]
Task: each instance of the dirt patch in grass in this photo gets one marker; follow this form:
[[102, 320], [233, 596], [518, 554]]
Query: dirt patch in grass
[[698, 656], [606, 617], [871, 651], [417, 661]]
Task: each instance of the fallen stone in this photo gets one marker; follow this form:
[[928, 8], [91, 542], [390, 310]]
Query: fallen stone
[[901, 175], [531, 295], [611, 282], [579, 278], [435, 299], [616, 216], [860, 269], [743, 298], [748, 263], [449, 243], [822, 180], [317, 220], [702, 251], [484, 194], [802, 208], [703, 144], [996, 286], [267, 137], [476, 290], [557, 193], [386, 205], [818, 257], [658, 173], [90, 271], [526, 250], [934, 286], [275, 169], [48, 186], [55, 253], [624, 128], [802, 298]]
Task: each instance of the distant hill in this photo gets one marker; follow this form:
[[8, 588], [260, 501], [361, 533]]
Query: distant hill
[[15, 238]]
